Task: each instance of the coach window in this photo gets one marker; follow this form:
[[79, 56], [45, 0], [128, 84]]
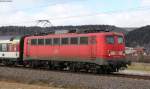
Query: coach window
[[83, 40], [74, 40], [33, 41], [110, 39], [4, 47], [48, 41], [64, 41], [40, 41], [56, 41], [0, 47]]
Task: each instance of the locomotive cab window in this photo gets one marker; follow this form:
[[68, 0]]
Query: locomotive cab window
[[73, 40], [64, 41], [83, 40], [120, 39], [48, 41], [56, 41], [40, 41], [110, 39], [33, 41]]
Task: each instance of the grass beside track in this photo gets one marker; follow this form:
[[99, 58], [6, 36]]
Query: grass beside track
[[140, 67]]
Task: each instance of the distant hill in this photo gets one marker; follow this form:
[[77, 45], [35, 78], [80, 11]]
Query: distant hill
[[139, 37], [129, 28], [15, 30]]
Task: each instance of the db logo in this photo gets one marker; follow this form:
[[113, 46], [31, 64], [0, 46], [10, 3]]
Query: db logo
[[56, 51]]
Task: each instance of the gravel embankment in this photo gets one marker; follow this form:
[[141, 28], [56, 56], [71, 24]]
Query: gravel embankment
[[74, 80]]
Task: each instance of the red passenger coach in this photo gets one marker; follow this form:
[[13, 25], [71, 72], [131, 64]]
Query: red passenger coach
[[99, 52]]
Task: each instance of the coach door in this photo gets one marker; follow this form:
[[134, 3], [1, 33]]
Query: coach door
[[93, 46]]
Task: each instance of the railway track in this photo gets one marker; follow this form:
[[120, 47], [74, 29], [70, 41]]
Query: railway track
[[119, 75]]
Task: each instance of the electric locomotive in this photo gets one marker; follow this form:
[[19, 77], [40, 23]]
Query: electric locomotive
[[100, 52]]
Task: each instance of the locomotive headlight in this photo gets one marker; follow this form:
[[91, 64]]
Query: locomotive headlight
[[108, 52]]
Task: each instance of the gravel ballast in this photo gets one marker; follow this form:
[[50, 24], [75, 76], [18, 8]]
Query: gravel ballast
[[63, 79]]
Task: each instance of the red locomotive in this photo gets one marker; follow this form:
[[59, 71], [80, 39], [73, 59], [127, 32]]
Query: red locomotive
[[98, 52]]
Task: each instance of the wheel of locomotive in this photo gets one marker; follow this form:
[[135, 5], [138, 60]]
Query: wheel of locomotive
[[33, 64], [103, 70], [73, 67], [50, 67], [99, 71]]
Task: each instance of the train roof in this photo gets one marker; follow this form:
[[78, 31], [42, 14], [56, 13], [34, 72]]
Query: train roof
[[9, 39]]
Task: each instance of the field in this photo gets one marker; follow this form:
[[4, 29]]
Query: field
[[139, 63], [140, 67]]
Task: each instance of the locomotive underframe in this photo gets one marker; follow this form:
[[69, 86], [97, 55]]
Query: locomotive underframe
[[95, 65], [99, 65]]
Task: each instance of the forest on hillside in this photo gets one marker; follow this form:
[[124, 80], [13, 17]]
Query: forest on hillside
[[15, 30], [139, 37]]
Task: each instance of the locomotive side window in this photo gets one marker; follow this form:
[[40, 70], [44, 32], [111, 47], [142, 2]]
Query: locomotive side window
[[56, 41], [74, 40], [64, 41], [48, 41], [110, 39], [33, 41], [40, 41], [83, 40], [120, 39]]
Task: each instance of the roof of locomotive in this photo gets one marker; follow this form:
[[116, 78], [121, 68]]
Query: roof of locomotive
[[76, 34]]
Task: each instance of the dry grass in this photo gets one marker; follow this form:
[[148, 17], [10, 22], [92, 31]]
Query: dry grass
[[140, 66]]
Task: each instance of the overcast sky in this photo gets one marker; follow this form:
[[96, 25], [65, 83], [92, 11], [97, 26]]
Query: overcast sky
[[122, 13]]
